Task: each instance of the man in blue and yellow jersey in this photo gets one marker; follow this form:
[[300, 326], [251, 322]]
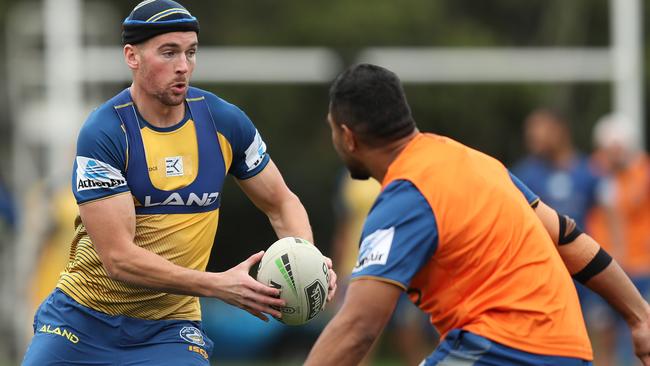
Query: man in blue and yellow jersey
[[472, 246], [148, 178]]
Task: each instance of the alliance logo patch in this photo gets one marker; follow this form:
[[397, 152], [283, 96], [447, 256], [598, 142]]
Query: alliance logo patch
[[95, 174], [192, 335], [315, 298]]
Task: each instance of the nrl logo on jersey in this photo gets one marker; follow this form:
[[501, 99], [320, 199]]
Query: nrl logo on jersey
[[95, 174], [175, 199]]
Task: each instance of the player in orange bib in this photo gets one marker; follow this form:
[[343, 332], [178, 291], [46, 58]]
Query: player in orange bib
[[474, 248]]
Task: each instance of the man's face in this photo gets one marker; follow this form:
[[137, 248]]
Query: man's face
[[542, 135], [354, 165], [167, 63]]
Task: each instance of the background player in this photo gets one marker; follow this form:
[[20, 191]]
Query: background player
[[148, 179], [456, 230], [561, 175], [621, 222], [565, 179]]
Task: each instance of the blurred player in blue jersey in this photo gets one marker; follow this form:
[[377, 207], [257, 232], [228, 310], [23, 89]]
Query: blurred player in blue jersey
[[562, 176], [148, 178]]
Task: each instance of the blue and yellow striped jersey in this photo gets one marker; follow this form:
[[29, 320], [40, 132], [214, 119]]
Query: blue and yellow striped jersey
[[175, 176]]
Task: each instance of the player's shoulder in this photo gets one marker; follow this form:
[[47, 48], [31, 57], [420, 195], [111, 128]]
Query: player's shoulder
[[102, 135], [528, 165], [229, 120], [584, 164], [220, 108], [397, 198], [103, 122]]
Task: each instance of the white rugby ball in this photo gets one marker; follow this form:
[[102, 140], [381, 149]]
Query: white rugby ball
[[298, 269]]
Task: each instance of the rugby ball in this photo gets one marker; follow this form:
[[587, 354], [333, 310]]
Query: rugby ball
[[298, 269]]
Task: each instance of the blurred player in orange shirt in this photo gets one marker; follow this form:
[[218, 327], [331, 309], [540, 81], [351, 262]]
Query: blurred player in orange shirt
[[473, 247], [621, 223]]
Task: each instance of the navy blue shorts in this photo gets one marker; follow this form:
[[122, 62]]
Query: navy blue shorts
[[462, 348], [67, 333]]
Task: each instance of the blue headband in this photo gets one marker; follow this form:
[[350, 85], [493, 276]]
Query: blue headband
[[154, 17]]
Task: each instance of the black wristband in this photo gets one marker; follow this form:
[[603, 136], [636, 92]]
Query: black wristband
[[595, 266]]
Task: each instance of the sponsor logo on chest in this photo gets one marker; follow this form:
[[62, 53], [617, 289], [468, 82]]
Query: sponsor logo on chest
[[174, 166], [176, 199]]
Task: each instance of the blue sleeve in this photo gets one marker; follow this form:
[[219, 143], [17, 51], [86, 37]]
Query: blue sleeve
[[7, 207], [400, 235], [248, 148], [100, 165], [531, 197]]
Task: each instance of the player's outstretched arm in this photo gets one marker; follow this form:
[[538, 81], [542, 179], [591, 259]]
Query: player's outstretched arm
[[268, 191], [589, 264], [111, 225], [349, 335]]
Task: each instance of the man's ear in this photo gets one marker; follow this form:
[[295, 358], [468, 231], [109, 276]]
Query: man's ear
[[349, 139], [131, 56]]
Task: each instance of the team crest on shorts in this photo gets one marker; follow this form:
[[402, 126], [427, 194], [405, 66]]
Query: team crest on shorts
[[192, 335]]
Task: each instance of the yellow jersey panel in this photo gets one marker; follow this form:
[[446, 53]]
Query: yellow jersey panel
[[172, 157], [183, 239], [226, 150]]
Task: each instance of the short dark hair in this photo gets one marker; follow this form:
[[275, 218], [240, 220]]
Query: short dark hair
[[552, 113], [370, 100]]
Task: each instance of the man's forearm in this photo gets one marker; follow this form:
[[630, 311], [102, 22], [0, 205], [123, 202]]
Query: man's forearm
[[615, 287], [348, 337], [581, 257], [290, 219], [143, 268], [612, 283], [341, 343]]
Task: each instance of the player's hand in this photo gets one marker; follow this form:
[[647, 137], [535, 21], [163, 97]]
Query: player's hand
[[332, 276], [641, 339], [238, 288]]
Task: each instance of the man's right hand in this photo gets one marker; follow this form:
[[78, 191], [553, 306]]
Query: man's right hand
[[641, 339], [236, 287]]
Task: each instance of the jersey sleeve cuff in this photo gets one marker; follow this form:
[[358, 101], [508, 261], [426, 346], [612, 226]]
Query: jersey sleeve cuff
[[256, 171], [83, 202], [381, 279]]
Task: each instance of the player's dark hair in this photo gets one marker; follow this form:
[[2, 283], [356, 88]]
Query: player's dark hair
[[554, 114], [370, 100]]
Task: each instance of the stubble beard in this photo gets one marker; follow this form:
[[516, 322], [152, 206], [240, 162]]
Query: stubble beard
[[357, 170], [170, 99]]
